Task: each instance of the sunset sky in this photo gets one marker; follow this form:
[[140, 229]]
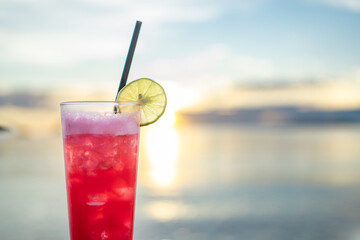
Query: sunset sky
[[192, 46]]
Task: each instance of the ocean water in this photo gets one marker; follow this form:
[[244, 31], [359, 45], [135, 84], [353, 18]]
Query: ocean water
[[204, 181]]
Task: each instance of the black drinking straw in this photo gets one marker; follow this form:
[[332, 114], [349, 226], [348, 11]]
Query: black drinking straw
[[129, 57]]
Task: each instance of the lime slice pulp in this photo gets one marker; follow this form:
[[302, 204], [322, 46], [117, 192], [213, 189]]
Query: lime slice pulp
[[149, 94]]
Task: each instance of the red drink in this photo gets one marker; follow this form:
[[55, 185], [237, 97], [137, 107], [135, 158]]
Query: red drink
[[101, 161]]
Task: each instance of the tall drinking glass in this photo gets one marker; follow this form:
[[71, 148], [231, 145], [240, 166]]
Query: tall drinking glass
[[101, 150]]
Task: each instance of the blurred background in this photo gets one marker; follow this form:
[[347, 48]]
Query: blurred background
[[261, 136]]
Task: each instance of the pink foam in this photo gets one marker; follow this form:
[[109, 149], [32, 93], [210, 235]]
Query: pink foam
[[96, 123]]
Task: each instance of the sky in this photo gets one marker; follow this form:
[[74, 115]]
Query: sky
[[186, 44]]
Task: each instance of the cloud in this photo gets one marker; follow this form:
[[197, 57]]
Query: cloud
[[352, 77], [86, 15], [160, 11], [215, 65], [348, 4], [56, 32], [58, 48]]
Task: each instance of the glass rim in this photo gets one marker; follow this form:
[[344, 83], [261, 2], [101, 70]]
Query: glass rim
[[81, 103]]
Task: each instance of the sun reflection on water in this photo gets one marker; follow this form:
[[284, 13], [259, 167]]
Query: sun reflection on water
[[162, 150], [162, 139], [168, 210]]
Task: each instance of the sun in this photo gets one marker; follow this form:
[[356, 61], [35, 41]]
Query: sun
[[178, 97]]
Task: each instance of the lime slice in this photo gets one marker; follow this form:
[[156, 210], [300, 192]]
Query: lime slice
[[149, 94]]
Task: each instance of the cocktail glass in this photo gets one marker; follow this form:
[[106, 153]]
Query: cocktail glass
[[101, 142]]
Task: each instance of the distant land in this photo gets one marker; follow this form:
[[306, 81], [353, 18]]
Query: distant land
[[273, 115], [4, 129], [24, 99]]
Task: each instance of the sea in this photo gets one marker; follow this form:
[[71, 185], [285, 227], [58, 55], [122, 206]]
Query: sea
[[203, 181]]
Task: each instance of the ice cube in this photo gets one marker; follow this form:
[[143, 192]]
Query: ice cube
[[125, 193], [90, 160], [96, 199], [104, 235]]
